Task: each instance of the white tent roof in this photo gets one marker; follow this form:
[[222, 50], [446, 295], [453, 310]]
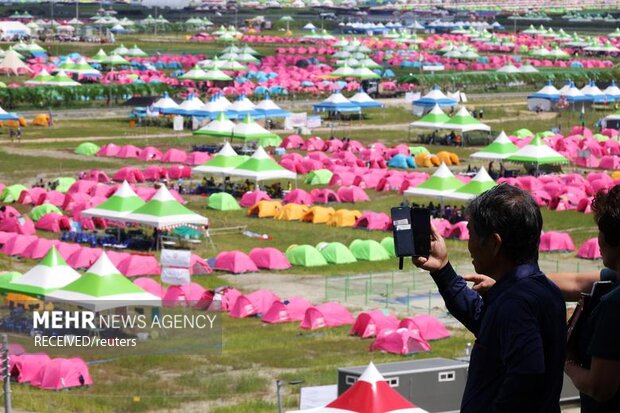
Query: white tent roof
[[165, 102]]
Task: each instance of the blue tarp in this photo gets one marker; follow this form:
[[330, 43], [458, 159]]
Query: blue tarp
[[401, 161]]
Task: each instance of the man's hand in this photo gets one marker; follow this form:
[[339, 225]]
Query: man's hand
[[482, 283], [438, 257]]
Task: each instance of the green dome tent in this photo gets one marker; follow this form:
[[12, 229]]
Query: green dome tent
[[388, 244], [38, 211], [64, 183], [337, 253], [87, 149], [319, 177], [11, 193], [305, 256], [369, 250], [222, 201]]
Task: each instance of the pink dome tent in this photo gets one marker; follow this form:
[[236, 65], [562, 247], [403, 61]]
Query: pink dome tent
[[26, 367], [174, 156], [298, 196], [53, 222], [250, 199], [129, 152], [556, 241], [254, 303], [269, 259], [62, 373], [109, 149], [66, 249], [17, 245], [330, 314], [39, 248], [235, 262], [23, 226], [136, 264], [374, 221], [198, 265], [197, 158], [400, 341], [324, 196], [130, 174], [459, 231], [184, 295], [150, 286], [30, 196], [286, 311], [369, 324], [430, 327], [150, 153], [590, 250], [155, 173], [229, 296], [85, 257], [352, 194]]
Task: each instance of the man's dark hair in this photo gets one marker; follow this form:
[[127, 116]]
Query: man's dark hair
[[514, 215], [606, 208]]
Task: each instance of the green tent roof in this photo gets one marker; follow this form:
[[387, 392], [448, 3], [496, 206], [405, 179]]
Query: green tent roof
[[337, 253], [388, 244], [64, 183], [222, 201], [440, 183], [38, 211], [121, 203], [87, 149], [536, 152], [369, 250], [11, 193], [319, 177], [500, 148], [305, 256]]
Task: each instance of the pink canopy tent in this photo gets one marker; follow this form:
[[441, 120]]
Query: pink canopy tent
[[84, 257], [352, 194], [330, 314], [129, 151], [174, 156], [254, 303], [556, 241], [235, 262], [39, 248], [60, 373], [26, 367], [150, 153], [370, 394], [459, 231], [139, 265], [377, 221], [186, 294], [53, 222], [400, 341], [298, 196], [269, 258], [369, 324], [590, 250], [17, 245], [250, 199], [150, 286], [430, 327], [21, 225], [286, 311]]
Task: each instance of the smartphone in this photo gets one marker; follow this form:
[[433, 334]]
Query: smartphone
[[403, 232], [421, 223]]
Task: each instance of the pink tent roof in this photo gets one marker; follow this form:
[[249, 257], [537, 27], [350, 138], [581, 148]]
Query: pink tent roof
[[39, 248], [155, 173], [235, 262], [352, 194], [197, 158], [400, 341], [5, 236], [150, 286], [254, 303], [174, 156], [60, 373], [324, 196], [26, 367], [330, 314], [459, 231], [129, 151], [556, 241], [590, 249], [130, 174], [53, 222], [18, 245], [198, 265], [372, 394], [430, 327], [285, 311], [269, 258], [109, 149], [23, 225], [98, 175], [66, 249], [84, 257], [139, 265], [369, 324], [374, 221], [30, 196], [81, 186], [187, 294], [250, 199], [179, 171], [292, 142], [53, 197], [117, 257], [610, 162], [298, 196], [229, 296]]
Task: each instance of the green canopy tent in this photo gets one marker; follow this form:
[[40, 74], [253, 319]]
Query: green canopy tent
[[500, 148], [336, 253], [482, 182], [48, 275], [8, 276], [439, 184], [87, 149], [434, 119], [261, 167], [221, 127], [305, 256], [319, 177], [248, 130], [224, 161], [40, 210], [11, 193], [222, 201], [103, 287], [120, 204], [537, 153], [465, 122]]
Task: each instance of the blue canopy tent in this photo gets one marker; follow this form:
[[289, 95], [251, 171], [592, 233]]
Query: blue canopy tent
[[435, 97], [337, 103], [268, 109], [544, 99]]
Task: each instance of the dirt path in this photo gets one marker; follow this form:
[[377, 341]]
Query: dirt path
[[56, 154]]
